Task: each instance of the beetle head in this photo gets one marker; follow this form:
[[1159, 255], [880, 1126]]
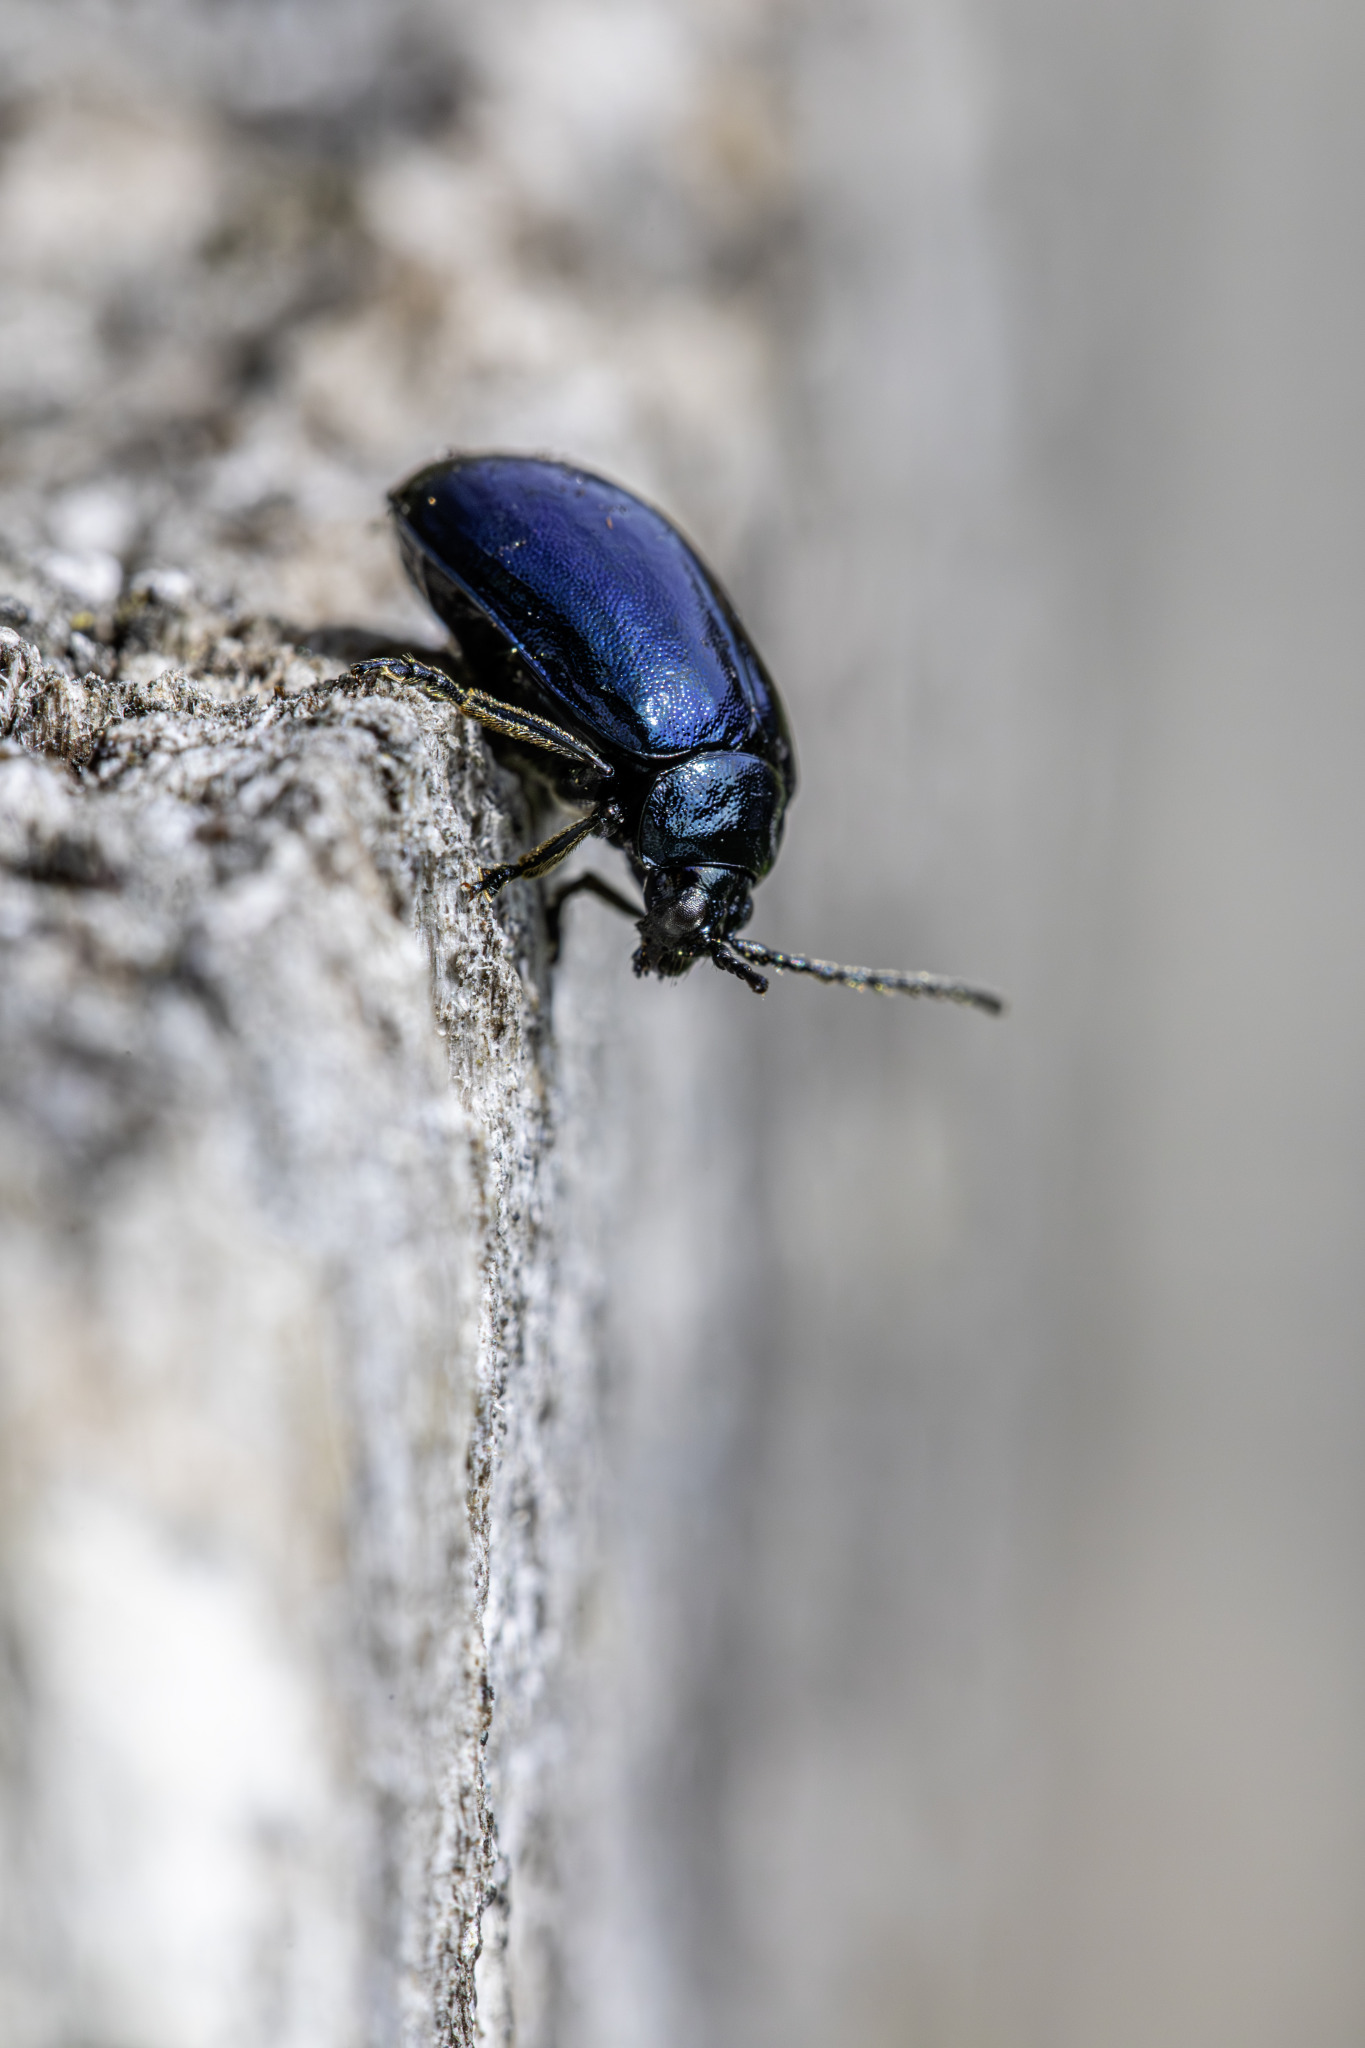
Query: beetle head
[[688, 911]]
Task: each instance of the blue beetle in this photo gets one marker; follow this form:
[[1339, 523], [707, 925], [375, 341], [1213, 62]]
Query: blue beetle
[[593, 635]]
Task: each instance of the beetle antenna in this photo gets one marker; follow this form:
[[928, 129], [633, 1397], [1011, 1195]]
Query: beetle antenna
[[725, 953], [884, 981]]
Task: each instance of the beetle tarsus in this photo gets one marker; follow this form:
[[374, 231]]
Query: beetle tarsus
[[490, 881]]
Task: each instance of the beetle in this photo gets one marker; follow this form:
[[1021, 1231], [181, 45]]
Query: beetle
[[594, 637]]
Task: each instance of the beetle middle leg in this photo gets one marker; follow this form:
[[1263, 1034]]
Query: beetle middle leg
[[492, 712], [585, 885]]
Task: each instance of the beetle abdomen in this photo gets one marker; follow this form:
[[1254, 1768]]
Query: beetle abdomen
[[619, 620]]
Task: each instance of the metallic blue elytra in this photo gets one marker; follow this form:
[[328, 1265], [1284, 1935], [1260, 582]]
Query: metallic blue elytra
[[627, 633], [594, 638]]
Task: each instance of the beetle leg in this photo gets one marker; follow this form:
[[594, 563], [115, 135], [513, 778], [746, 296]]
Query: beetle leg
[[527, 726], [541, 858], [590, 885]]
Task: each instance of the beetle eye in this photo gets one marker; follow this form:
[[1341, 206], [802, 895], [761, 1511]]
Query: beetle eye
[[690, 907]]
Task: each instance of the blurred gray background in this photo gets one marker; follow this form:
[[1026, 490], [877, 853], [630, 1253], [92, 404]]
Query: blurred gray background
[[973, 1650]]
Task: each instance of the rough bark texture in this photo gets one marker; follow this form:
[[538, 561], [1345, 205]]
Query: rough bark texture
[[274, 1099]]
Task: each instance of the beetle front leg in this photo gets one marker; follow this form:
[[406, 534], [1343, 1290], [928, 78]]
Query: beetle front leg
[[540, 859]]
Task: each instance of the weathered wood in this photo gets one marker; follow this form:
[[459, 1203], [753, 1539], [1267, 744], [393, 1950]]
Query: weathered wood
[[274, 1116]]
